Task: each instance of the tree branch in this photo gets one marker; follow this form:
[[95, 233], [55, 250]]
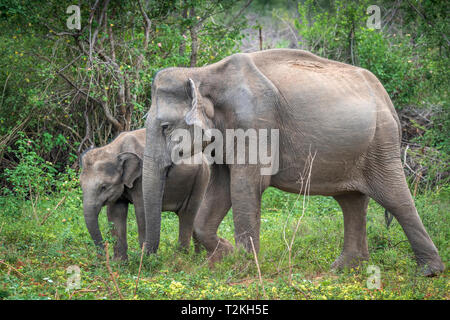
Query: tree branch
[[194, 39]]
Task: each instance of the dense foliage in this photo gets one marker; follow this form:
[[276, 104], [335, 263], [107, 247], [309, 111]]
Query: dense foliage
[[64, 90]]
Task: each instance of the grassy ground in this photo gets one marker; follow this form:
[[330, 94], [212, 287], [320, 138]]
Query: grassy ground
[[34, 258]]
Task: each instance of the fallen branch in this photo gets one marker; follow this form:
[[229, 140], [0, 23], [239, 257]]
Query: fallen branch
[[301, 291], [81, 291], [12, 268]]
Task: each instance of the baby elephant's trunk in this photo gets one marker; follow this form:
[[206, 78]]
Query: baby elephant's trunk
[[91, 213]]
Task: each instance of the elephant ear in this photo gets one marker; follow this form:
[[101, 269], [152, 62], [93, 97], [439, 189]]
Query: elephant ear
[[201, 109], [131, 165]]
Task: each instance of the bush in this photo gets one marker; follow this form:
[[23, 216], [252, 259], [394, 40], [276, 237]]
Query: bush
[[407, 58], [33, 175]]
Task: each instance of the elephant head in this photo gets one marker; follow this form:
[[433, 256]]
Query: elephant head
[[103, 178]]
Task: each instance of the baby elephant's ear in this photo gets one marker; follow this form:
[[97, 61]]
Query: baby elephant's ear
[[131, 164]]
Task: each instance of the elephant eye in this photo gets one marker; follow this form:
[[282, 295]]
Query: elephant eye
[[102, 188], [164, 126]]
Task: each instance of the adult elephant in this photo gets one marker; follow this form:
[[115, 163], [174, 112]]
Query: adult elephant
[[339, 113]]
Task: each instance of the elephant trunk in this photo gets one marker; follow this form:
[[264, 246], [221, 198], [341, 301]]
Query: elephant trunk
[[153, 181], [91, 213]]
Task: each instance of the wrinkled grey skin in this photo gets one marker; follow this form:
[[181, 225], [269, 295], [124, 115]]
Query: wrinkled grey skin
[[112, 176], [340, 113]]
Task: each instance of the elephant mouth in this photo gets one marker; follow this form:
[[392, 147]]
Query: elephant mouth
[[111, 200]]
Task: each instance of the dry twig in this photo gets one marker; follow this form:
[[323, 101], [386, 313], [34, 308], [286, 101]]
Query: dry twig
[[304, 188], [139, 272], [257, 266], [12, 268], [113, 278], [50, 212]]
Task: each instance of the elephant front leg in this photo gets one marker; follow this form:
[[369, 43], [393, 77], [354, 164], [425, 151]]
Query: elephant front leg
[[214, 207], [354, 208], [117, 214], [247, 186]]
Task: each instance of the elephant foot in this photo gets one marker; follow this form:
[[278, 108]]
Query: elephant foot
[[349, 260], [222, 248], [431, 268], [197, 248], [197, 244], [182, 247]]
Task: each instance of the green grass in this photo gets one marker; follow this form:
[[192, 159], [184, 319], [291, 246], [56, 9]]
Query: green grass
[[35, 257]]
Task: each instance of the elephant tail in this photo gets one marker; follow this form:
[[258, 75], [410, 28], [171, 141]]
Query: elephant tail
[[388, 218]]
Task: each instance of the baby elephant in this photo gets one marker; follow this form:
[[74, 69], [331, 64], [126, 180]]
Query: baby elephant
[[111, 176]]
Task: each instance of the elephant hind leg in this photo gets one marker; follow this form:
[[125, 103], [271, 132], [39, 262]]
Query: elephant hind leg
[[354, 208], [389, 188]]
